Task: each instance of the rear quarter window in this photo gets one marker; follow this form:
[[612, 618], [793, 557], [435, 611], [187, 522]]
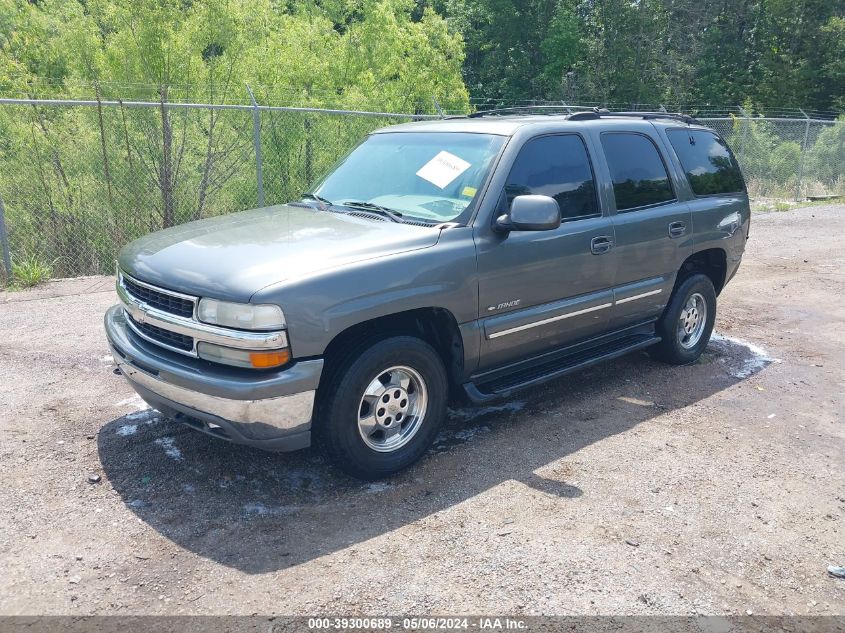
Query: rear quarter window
[[709, 164]]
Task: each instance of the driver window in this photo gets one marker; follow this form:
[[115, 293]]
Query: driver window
[[556, 166]]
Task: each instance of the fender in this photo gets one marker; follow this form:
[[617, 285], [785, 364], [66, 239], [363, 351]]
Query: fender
[[320, 307]]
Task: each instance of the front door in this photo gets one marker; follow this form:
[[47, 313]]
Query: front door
[[541, 290]]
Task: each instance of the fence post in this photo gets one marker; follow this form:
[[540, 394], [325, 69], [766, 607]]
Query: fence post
[[803, 154], [4, 242], [437, 107], [746, 117], [256, 139]]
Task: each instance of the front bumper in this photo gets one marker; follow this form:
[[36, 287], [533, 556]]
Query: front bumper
[[269, 410]]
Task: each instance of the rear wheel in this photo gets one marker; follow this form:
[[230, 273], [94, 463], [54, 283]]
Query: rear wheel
[[383, 407], [687, 322]]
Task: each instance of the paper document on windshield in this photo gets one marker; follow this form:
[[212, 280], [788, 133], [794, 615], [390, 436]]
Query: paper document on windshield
[[443, 169]]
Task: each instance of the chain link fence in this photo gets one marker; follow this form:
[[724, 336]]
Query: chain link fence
[[788, 159], [78, 180]]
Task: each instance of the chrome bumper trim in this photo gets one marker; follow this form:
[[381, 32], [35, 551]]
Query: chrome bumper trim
[[143, 313], [286, 413]]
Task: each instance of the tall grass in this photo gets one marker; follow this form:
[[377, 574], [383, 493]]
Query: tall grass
[[30, 271]]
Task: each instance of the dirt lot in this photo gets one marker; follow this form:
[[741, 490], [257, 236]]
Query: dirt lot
[[628, 488]]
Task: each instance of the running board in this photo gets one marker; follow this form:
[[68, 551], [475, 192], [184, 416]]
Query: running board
[[502, 385]]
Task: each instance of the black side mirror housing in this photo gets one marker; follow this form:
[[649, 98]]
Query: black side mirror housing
[[531, 213]]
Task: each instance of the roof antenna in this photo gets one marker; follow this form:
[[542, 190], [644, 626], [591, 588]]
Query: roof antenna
[[438, 108]]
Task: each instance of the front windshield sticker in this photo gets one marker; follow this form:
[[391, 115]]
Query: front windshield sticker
[[443, 169]]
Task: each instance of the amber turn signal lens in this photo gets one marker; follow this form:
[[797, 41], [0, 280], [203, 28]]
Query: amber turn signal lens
[[263, 360]]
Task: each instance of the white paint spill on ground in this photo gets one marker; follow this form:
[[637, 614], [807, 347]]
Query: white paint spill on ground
[[259, 509], [468, 434], [450, 438], [376, 487], [758, 359], [127, 429], [468, 413], [170, 449], [135, 401], [107, 359], [300, 479], [147, 416]]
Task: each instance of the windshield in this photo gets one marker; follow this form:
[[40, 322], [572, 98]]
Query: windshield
[[427, 176]]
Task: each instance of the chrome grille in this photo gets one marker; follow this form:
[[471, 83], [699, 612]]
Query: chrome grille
[[160, 299], [162, 336], [166, 318]]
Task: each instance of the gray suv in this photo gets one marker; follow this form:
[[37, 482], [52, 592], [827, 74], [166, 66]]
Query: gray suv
[[471, 257]]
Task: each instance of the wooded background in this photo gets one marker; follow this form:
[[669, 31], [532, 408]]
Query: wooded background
[[397, 54], [771, 53], [78, 182]]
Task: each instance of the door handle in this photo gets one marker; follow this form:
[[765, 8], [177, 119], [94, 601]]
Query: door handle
[[600, 244], [677, 229]]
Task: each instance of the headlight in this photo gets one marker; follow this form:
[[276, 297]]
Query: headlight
[[243, 316]]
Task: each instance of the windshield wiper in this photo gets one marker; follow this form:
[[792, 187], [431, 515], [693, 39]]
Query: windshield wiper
[[314, 196], [373, 208], [356, 204]]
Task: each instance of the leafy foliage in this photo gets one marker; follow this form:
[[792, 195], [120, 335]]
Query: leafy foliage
[[778, 53], [30, 271], [83, 181], [825, 160], [79, 182]]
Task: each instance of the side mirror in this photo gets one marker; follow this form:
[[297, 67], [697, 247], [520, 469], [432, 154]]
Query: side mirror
[[531, 213]]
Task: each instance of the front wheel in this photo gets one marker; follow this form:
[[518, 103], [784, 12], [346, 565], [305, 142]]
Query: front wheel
[[687, 322], [383, 407]]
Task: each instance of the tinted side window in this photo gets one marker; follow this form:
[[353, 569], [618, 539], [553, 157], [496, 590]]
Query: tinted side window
[[555, 166], [638, 173], [709, 164]]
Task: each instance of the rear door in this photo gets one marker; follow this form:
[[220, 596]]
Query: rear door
[[540, 290], [653, 227], [719, 204]]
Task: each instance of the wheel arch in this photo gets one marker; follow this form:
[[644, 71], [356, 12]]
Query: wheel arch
[[712, 262], [436, 326]]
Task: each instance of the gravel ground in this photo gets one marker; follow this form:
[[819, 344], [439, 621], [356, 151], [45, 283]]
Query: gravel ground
[[631, 487]]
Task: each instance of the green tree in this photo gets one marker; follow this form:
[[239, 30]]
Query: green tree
[[826, 159], [504, 40], [79, 182]]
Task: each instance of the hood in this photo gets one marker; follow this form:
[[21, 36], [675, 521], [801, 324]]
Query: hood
[[233, 256]]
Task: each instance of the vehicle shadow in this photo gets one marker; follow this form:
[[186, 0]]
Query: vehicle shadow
[[260, 512]]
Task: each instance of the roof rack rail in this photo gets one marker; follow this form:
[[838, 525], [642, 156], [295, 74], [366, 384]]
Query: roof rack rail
[[599, 113], [528, 109]]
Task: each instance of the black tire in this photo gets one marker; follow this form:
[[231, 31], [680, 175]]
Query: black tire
[[340, 404], [672, 348]]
